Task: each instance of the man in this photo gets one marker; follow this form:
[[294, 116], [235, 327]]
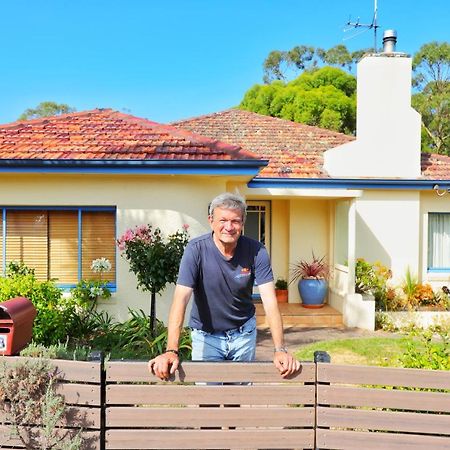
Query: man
[[220, 268]]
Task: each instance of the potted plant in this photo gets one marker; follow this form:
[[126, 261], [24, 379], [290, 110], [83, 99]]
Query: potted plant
[[281, 290], [312, 277]]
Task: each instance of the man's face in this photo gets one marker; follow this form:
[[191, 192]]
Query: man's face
[[226, 224]]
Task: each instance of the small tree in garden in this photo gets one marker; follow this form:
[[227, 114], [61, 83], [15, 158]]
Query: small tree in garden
[[153, 258]]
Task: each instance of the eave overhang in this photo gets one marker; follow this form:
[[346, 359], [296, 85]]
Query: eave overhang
[[152, 167], [347, 183]]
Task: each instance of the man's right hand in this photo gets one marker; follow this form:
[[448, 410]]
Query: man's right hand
[[164, 365]]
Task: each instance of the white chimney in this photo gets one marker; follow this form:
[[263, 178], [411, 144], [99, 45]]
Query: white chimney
[[387, 141]]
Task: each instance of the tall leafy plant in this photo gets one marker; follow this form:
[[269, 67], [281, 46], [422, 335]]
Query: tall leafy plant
[[315, 268], [153, 258]]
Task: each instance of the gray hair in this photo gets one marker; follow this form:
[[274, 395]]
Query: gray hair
[[229, 201]]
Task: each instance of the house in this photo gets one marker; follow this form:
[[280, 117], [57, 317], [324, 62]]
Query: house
[[72, 184], [375, 197]]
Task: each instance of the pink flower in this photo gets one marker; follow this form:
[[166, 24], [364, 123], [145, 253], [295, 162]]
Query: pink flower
[[185, 226], [141, 230], [128, 235]]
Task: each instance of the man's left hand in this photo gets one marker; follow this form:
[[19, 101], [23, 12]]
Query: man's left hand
[[286, 364]]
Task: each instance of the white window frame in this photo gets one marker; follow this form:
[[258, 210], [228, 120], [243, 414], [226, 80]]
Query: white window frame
[[267, 204]]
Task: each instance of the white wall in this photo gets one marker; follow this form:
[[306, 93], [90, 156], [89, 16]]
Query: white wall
[[388, 229]]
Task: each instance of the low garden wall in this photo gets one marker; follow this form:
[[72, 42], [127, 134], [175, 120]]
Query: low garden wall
[[413, 319]]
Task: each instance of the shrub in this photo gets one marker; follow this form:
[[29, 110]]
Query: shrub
[[442, 299], [30, 404], [136, 337], [87, 292], [372, 279], [432, 353], [53, 312], [59, 351], [130, 339]]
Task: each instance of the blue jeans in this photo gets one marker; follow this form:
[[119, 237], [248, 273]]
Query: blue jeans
[[238, 344]]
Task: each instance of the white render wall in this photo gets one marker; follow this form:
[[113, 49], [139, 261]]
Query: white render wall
[[388, 230], [387, 128]]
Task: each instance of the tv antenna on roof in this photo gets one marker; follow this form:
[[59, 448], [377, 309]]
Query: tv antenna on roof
[[368, 26]]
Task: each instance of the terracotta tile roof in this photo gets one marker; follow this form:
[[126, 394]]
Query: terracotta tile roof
[[435, 167], [104, 134], [295, 150]]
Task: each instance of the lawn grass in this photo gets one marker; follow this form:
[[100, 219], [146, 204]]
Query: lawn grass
[[375, 351]]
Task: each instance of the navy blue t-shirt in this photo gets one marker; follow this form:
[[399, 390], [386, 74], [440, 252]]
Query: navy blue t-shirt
[[223, 288]]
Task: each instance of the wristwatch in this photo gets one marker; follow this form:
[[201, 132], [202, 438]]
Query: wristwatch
[[280, 349]]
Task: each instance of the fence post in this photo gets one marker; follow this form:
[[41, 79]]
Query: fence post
[[320, 356], [99, 356]]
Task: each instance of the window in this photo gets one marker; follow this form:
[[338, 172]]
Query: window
[[439, 241], [257, 224], [59, 243]]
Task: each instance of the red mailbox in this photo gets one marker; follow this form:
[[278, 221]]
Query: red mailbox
[[16, 325]]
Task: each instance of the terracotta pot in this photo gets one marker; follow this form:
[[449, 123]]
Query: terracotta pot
[[282, 295]]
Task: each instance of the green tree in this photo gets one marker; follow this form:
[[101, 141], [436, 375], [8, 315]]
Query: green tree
[[46, 109], [154, 259], [323, 97], [431, 65], [337, 56], [279, 64]]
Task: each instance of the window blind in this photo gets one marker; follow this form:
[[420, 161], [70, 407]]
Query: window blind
[[98, 241], [63, 246], [26, 240]]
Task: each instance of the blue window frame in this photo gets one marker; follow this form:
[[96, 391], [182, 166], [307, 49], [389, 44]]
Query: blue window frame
[[60, 242]]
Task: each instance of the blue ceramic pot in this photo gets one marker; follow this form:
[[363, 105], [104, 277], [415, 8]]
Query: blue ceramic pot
[[312, 292]]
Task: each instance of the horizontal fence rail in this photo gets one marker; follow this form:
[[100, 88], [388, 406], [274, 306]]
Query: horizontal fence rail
[[227, 405], [377, 407], [209, 405]]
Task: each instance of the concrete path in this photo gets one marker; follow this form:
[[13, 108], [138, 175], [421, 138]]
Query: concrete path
[[294, 337]]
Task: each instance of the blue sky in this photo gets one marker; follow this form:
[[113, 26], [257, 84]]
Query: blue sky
[[174, 59]]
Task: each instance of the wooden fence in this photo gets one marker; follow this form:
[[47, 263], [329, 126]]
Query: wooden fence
[[379, 407], [248, 406], [191, 413]]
